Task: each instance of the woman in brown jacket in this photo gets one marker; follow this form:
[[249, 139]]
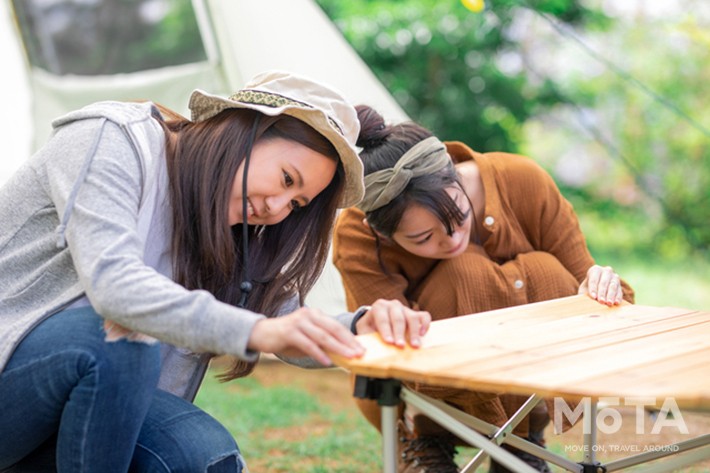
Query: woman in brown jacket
[[445, 229]]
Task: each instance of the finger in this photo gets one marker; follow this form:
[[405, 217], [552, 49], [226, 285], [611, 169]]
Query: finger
[[398, 321], [603, 287], [418, 323], [608, 285], [616, 291], [335, 333], [593, 275], [414, 326], [584, 287], [380, 320], [426, 322], [612, 287], [319, 339], [285, 335], [309, 348]]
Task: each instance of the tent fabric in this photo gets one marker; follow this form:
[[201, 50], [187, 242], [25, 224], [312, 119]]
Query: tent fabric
[[242, 39]]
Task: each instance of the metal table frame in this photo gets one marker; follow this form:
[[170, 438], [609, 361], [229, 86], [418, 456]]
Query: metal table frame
[[488, 437]]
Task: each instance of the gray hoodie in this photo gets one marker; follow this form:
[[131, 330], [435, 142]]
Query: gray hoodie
[[85, 221]]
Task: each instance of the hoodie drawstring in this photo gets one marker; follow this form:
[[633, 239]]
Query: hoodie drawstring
[[246, 286]]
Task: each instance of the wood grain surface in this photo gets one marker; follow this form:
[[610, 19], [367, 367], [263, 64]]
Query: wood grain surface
[[572, 347]]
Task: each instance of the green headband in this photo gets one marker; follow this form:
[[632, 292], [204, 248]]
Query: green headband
[[381, 187]]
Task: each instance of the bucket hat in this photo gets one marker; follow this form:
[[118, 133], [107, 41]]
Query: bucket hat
[[318, 105]]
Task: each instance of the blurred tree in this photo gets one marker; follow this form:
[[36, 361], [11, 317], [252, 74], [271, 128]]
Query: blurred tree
[[606, 103], [635, 94], [457, 72]]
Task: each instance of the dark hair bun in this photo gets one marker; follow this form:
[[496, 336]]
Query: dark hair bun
[[373, 131]]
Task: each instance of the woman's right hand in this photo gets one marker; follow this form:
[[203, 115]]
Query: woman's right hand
[[395, 323], [305, 332], [603, 285]]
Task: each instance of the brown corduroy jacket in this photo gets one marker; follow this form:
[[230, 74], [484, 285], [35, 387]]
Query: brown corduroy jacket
[[524, 212]]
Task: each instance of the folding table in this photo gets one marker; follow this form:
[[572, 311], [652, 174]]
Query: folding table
[[572, 348]]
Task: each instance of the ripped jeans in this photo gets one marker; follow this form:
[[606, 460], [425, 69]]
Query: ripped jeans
[[72, 402]]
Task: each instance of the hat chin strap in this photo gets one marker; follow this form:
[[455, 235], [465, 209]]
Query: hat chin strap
[[246, 285]]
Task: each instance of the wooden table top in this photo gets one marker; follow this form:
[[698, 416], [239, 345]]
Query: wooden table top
[[572, 347]]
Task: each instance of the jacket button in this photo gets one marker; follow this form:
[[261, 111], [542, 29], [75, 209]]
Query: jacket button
[[518, 284], [489, 221]]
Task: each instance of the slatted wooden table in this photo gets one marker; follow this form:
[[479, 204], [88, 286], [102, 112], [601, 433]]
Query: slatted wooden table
[[572, 347]]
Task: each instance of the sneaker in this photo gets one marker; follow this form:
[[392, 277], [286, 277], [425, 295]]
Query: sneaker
[[424, 453], [537, 463]]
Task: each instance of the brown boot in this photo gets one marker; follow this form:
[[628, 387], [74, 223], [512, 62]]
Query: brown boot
[[424, 453]]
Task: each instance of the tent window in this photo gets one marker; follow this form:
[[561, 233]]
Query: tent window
[[94, 37]]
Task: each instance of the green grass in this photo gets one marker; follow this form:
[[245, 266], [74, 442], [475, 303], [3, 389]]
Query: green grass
[[661, 267], [287, 428], [679, 283]]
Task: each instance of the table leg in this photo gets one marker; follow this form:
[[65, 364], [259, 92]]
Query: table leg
[[464, 432], [386, 392], [590, 463], [590, 434], [500, 436], [389, 439]]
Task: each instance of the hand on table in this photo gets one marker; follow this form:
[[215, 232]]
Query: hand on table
[[305, 332], [603, 285], [395, 323]]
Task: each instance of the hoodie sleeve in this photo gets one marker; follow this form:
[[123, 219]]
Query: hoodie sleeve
[[101, 233]]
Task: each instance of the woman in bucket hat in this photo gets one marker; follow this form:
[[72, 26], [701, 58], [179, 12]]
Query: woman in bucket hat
[[132, 226], [452, 231]]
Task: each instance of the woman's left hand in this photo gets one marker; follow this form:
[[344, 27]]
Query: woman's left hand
[[603, 284], [395, 322]]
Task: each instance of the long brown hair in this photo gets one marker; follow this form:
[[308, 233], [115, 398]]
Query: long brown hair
[[285, 258]]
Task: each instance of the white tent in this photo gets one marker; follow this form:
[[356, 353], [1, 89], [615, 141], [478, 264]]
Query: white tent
[[240, 38], [15, 124]]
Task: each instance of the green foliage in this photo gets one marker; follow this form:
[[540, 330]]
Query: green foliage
[[175, 39], [646, 105], [621, 97], [442, 63]]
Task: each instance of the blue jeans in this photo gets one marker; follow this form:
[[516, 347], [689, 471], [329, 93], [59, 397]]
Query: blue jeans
[[93, 406]]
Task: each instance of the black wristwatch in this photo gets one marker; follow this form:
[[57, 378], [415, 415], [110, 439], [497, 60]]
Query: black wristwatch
[[358, 315]]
